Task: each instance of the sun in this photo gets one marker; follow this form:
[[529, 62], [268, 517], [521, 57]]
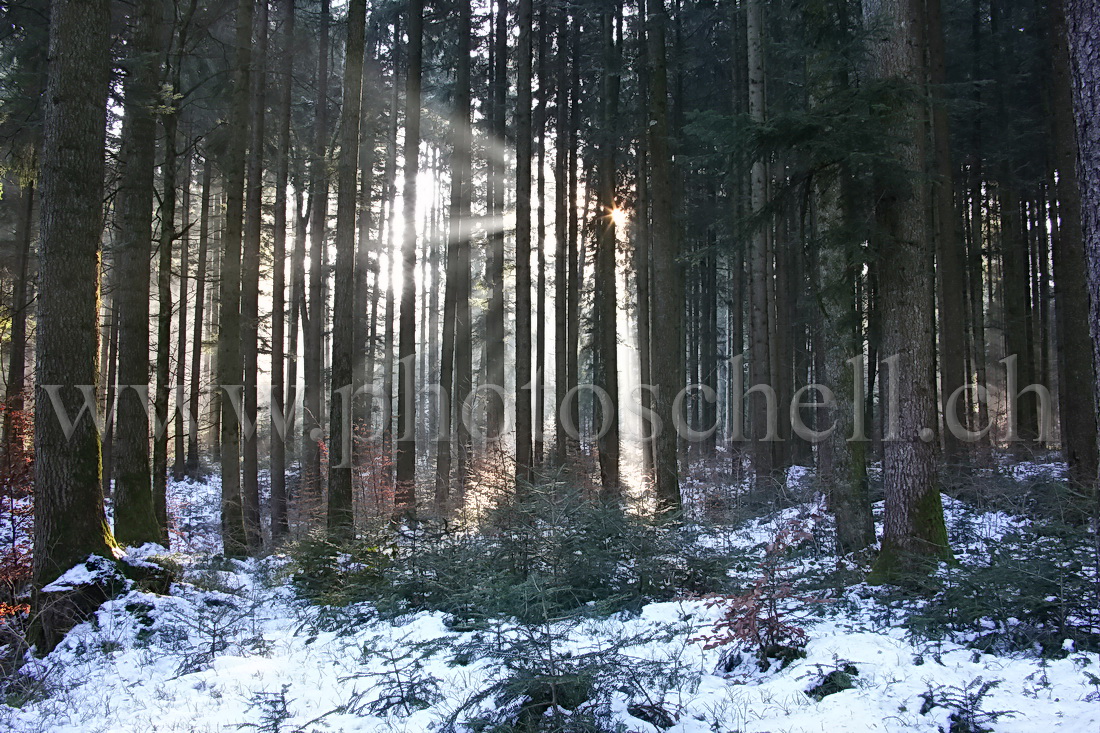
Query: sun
[[618, 217]]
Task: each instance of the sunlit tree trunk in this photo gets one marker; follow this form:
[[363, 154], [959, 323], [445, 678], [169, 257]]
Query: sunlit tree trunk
[[200, 303]]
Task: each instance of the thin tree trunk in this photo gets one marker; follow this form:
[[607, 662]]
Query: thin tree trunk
[[606, 303], [405, 495], [17, 358], [200, 303], [279, 523], [181, 327], [523, 246]]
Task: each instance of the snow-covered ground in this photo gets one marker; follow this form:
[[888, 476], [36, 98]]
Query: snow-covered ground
[[232, 647]]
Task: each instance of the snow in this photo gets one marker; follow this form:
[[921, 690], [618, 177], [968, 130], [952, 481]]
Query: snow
[[232, 642]]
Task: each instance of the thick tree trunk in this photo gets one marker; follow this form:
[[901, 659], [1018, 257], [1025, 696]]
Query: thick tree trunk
[[914, 527], [1083, 26], [68, 496], [1076, 376]]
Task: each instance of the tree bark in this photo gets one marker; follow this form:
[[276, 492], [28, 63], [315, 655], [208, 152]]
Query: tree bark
[[234, 538], [1076, 375], [405, 495], [667, 287], [1083, 28], [914, 528], [340, 512], [135, 519], [524, 445], [68, 498], [200, 303], [314, 325], [279, 523]]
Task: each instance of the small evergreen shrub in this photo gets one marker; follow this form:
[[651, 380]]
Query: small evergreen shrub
[[1029, 591]]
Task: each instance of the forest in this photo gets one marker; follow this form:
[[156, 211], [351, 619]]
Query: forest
[[552, 366]]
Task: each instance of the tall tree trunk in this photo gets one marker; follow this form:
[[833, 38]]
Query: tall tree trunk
[[405, 495], [368, 255], [17, 358], [314, 325], [606, 303], [135, 518], [523, 246], [561, 234], [389, 188], [340, 513], [1083, 28], [234, 539], [760, 348], [914, 527], [181, 327], [69, 522], [951, 285], [200, 303], [667, 288], [279, 523], [456, 308], [463, 337], [250, 284], [844, 460], [1076, 376], [573, 306], [539, 417], [495, 328]]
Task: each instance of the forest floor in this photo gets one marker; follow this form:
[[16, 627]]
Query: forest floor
[[234, 647]]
